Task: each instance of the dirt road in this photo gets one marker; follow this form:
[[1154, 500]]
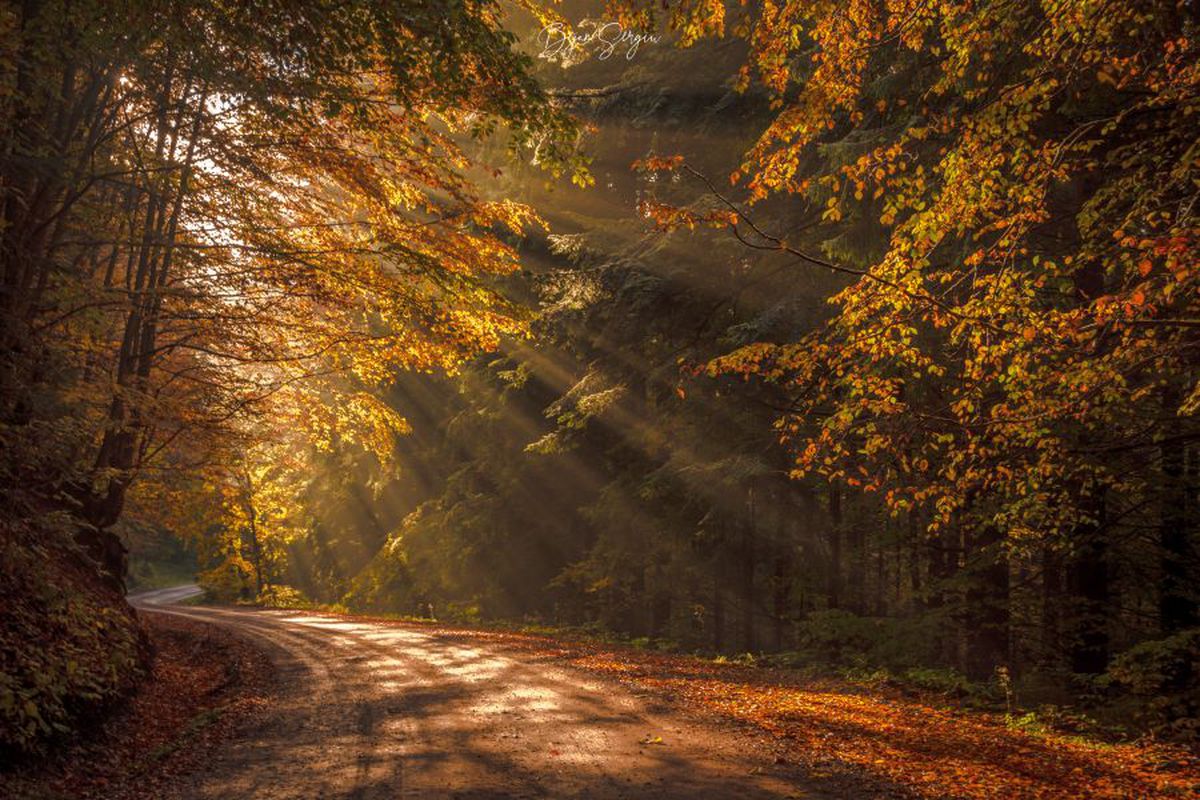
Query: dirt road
[[384, 710]]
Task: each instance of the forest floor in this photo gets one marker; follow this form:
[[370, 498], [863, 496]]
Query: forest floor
[[362, 707], [205, 684]]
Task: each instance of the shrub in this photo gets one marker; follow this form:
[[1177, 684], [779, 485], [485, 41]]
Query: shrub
[[227, 582], [67, 645], [943, 681], [1164, 675], [837, 637], [280, 596], [840, 638]]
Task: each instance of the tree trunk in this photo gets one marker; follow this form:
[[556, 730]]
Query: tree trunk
[[1177, 601], [986, 611], [782, 584], [1089, 583], [109, 553], [1052, 601], [835, 546], [914, 557], [718, 604], [857, 564], [748, 563], [943, 567]]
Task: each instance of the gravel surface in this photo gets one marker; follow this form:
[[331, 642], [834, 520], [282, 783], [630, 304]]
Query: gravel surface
[[367, 709]]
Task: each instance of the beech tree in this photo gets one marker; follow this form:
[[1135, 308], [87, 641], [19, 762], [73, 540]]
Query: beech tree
[[1017, 366], [210, 205]]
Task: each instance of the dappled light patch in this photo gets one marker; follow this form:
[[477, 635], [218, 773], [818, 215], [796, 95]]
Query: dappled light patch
[[916, 743]]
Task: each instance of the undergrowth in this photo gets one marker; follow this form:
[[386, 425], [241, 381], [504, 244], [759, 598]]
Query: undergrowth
[[68, 646]]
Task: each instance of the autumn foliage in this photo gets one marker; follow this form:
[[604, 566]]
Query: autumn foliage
[[226, 220], [892, 366], [1012, 367]]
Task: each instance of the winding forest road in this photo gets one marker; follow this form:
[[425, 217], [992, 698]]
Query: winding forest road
[[370, 709]]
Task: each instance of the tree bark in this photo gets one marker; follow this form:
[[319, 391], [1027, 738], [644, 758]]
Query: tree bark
[[748, 548], [782, 584], [1052, 601], [1089, 581], [987, 597], [1177, 601], [718, 604], [835, 546]]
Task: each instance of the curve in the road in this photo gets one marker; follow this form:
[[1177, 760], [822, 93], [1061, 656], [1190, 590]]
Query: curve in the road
[[374, 710]]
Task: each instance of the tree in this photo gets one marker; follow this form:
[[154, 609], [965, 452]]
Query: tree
[[218, 219], [231, 203], [1002, 363]]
